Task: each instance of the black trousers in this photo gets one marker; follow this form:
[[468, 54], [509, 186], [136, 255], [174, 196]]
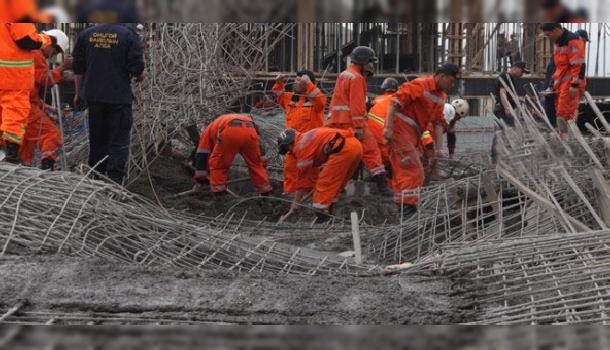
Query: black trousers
[[109, 135], [549, 106], [501, 114]]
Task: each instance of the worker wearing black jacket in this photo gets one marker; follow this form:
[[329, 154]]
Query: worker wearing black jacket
[[106, 58]]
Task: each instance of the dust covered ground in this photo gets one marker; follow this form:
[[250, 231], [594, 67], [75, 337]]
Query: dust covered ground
[[169, 177], [64, 290]]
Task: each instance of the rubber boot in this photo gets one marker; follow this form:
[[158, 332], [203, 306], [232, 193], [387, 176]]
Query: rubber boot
[[382, 185], [265, 204], [12, 153], [408, 211], [48, 164], [116, 176], [323, 217]]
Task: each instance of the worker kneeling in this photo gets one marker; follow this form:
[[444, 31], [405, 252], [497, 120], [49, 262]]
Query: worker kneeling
[[220, 142], [338, 151]]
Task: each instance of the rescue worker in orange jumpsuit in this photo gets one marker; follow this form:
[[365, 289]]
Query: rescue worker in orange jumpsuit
[[304, 109], [377, 115], [17, 43], [569, 59], [348, 111], [337, 150], [225, 137], [41, 130], [414, 106], [22, 11]]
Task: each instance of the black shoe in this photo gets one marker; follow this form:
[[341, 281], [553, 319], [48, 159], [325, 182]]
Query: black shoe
[[12, 153], [265, 204], [48, 164], [408, 211], [382, 185], [323, 217]]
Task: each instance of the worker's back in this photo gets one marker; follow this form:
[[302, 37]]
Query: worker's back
[[108, 55], [16, 64]]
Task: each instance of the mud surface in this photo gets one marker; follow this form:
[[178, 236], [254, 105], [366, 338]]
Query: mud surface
[[169, 177], [77, 290]]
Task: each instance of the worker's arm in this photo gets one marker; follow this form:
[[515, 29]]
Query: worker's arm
[[279, 89], [407, 94], [357, 104], [439, 131], [504, 102], [576, 56], [205, 147], [135, 57], [26, 37], [317, 97]]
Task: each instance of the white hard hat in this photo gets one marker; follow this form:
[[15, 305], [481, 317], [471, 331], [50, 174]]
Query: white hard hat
[[62, 39], [58, 14], [461, 107], [449, 113], [140, 27]]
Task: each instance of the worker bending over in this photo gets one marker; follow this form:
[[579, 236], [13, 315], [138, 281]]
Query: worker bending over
[[414, 106], [338, 151], [348, 111], [568, 84], [41, 131], [377, 115], [304, 109], [225, 137], [18, 41]]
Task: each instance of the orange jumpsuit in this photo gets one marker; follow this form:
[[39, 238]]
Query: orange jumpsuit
[[41, 130], [419, 103], [348, 111], [569, 57], [220, 142], [303, 113], [376, 122], [17, 78], [21, 11], [340, 153]]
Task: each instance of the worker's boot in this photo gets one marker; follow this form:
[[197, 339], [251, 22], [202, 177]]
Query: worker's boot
[[265, 204], [323, 216], [408, 211], [48, 164], [12, 153], [382, 185]]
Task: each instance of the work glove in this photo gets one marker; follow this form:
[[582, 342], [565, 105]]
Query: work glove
[[359, 133], [573, 92]]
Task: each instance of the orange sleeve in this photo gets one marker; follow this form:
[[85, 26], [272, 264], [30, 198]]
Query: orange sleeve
[[357, 102], [307, 174], [19, 31], [318, 99], [576, 57], [407, 94], [279, 89]]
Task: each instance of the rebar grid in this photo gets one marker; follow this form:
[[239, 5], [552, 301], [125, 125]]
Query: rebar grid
[[195, 72], [551, 279], [70, 214]]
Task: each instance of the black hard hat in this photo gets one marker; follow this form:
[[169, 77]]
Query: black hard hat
[[583, 34], [363, 55], [521, 64], [449, 69], [286, 140], [307, 72], [390, 84]]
